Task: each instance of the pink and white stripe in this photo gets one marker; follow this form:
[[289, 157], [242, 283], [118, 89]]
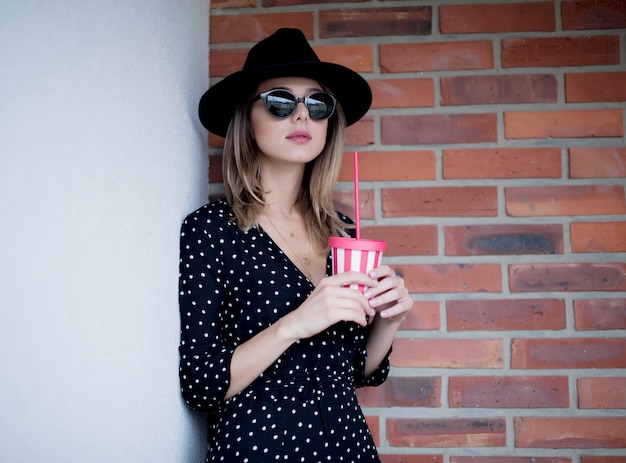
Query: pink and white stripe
[[358, 260]]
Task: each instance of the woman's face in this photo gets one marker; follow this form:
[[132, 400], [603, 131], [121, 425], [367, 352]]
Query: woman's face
[[297, 138]]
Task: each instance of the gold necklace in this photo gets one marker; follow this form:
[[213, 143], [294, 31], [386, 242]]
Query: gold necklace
[[306, 260]]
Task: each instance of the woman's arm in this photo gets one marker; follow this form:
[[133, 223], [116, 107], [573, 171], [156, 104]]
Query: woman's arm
[[392, 302], [254, 356], [330, 303]]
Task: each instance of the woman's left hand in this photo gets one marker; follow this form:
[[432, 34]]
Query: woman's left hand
[[389, 297]]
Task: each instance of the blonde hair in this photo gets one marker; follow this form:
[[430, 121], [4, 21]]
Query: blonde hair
[[242, 179]]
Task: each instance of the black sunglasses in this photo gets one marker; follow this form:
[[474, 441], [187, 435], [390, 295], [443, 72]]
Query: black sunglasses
[[282, 103]]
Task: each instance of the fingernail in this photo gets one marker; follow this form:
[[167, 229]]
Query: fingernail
[[368, 294], [373, 302]]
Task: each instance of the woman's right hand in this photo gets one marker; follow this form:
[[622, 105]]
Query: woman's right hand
[[330, 303]]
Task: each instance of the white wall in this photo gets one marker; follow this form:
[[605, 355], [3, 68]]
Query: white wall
[[101, 156]]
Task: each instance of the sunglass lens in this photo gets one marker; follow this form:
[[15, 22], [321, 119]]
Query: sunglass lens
[[320, 105], [280, 103]]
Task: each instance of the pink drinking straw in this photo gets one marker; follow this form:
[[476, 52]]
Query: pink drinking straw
[[357, 204]]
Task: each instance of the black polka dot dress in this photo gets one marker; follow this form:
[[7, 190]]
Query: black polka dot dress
[[303, 408]]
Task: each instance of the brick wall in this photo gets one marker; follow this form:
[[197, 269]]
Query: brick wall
[[493, 162]]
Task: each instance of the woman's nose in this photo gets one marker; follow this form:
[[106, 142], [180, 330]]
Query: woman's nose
[[301, 111]]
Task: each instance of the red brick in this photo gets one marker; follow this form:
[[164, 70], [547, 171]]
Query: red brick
[[565, 200], [390, 165], [344, 202], [423, 316], [569, 432], [255, 27], [603, 459], [586, 50], [360, 133], [373, 423], [447, 353], [539, 353], [405, 240], [564, 124], [451, 278], [215, 141], [506, 314], [588, 87], [502, 163], [467, 201], [597, 162], [442, 56], [472, 240], [500, 89], [224, 62], [401, 391], [402, 93], [598, 236], [439, 128], [364, 22], [601, 276], [508, 391], [301, 2], [600, 314], [444, 278], [602, 392], [489, 18], [593, 14], [422, 458], [359, 57], [219, 4], [450, 432], [215, 168], [503, 459]]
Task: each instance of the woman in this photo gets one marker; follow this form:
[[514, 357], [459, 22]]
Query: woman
[[271, 344]]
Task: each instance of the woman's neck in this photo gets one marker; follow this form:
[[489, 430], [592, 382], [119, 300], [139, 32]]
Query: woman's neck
[[281, 186]]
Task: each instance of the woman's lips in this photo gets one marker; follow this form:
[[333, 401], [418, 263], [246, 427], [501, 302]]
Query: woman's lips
[[299, 136]]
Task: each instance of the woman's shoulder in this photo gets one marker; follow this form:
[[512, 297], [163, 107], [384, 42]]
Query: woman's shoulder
[[344, 218], [214, 214], [350, 224]]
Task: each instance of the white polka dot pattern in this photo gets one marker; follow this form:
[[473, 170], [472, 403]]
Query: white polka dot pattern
[[303, 407]]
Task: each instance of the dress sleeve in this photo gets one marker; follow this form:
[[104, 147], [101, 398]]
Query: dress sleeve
[[205, 355], [378, 377]]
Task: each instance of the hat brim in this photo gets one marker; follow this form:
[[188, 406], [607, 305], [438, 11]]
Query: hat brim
[[218, 104]]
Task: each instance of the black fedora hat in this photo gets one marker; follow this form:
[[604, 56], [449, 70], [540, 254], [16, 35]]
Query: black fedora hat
[[285, 53]]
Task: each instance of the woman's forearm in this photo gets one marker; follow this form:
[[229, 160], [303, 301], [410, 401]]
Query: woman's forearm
[[379, 342], [254, 356]]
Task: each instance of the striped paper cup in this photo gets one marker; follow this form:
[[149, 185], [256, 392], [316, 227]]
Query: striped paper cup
[[358, 255]]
